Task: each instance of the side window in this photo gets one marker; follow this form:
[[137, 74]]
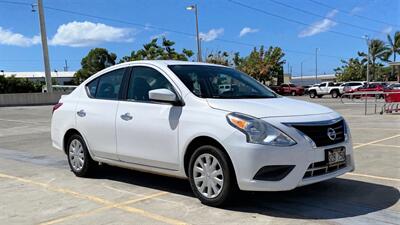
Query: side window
[[144, 79], [109, 84]]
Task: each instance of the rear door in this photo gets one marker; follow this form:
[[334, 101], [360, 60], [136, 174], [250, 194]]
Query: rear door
[[96, 113]]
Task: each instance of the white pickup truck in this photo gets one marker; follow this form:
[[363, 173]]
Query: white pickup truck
[[326, 88], [333, 89]]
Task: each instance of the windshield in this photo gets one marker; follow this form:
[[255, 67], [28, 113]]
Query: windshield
[[220, 82]]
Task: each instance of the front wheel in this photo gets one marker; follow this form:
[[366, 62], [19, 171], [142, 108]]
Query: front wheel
[[79, 158], [313, 94], [210, 176], [293, 93]]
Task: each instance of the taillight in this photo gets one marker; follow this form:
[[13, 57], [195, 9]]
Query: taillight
[[56, 106]]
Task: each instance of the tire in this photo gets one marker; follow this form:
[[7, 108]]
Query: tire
[[313, 94], [334, 94], [79, 159], [224, 190], [293, 93]]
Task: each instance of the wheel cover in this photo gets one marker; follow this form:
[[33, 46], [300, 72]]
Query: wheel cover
[[208, 175], [76, 155]]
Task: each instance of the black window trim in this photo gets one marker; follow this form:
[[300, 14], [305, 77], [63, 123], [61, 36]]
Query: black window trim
[[126, 69], [130, 74]]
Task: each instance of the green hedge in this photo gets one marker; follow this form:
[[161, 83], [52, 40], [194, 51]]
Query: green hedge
[[19, 85]]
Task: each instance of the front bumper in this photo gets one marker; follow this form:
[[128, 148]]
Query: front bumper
[[248, 159]]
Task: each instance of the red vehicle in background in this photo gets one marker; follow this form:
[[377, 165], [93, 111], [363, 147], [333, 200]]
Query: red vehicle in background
[[392, 93], [371, 87], [288, 89]]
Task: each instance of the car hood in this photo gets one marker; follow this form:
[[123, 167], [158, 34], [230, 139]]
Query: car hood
[[269, 107]]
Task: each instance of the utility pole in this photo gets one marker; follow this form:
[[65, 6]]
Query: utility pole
[[301, 73], [194, 7], [316, 65], [45, 48], [66, 66]]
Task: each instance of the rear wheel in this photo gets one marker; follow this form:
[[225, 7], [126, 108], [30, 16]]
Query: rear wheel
[[313, 94], [210, 176], [79, 158], [293, 93], [335, 94]]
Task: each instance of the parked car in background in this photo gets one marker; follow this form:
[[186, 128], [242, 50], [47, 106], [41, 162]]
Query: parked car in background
[[288, 89], [371, 87], [393, 86], [326, 88], [171, 118], [350, 87]]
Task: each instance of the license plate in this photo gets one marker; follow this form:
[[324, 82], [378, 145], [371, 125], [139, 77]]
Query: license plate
[[335, 155]]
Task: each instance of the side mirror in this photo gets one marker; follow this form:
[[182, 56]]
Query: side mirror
[[163, 95]]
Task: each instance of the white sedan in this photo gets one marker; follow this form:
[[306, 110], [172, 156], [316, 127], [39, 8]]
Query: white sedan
[[171, 117]]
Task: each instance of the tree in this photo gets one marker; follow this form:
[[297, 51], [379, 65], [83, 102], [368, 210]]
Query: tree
[[260, 64], [353, 69], [154, 51], [97, 59], [221, 58], [377, 50], [394, 48]]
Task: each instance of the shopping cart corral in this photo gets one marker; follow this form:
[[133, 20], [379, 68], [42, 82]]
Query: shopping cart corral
[[388, 100]]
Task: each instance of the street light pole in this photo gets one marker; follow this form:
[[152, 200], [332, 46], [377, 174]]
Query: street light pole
[[194, 7], [45, 48], [316, 65], [368, 57]]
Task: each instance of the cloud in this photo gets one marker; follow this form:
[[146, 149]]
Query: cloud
[[7, 37], [211, 34], [158, 36], [247, 30], [320, 26], [355, 10], [387, 30], [82, 34]]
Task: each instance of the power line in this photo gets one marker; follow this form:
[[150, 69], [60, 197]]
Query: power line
[[291, 20], [325, 17], [161, 28], [353, 14]]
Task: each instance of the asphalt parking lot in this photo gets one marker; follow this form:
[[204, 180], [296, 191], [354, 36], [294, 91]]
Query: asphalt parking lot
[[36, 186]]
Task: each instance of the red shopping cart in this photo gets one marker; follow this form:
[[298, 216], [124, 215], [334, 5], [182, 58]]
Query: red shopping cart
[[392, 101]]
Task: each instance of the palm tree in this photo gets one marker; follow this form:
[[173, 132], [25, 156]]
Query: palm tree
[[377, 50], [394, 47]]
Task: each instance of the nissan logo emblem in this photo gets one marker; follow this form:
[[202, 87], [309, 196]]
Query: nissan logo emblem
[[331, 134]]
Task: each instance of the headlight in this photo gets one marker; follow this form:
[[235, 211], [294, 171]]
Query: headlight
[[258, 131], [347, 134]]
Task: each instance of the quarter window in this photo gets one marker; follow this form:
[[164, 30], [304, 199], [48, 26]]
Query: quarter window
[[144, 79]]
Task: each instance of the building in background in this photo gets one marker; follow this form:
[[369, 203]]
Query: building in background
[[61, 78], [310, 80]]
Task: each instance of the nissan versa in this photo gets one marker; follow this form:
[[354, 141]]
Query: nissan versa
[[216, 126]]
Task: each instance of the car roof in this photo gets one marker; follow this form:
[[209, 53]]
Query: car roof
[[168, 63]]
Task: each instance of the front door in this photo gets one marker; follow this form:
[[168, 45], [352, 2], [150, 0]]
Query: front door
[[147, 131]]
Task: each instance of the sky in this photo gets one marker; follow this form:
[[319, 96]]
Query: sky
[[334, 27]]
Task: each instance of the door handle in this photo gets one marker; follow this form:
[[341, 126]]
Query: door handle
[[126, 116], [81, 113]]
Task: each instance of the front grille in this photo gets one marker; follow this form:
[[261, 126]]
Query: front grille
[[319, 133], [322, 168]]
